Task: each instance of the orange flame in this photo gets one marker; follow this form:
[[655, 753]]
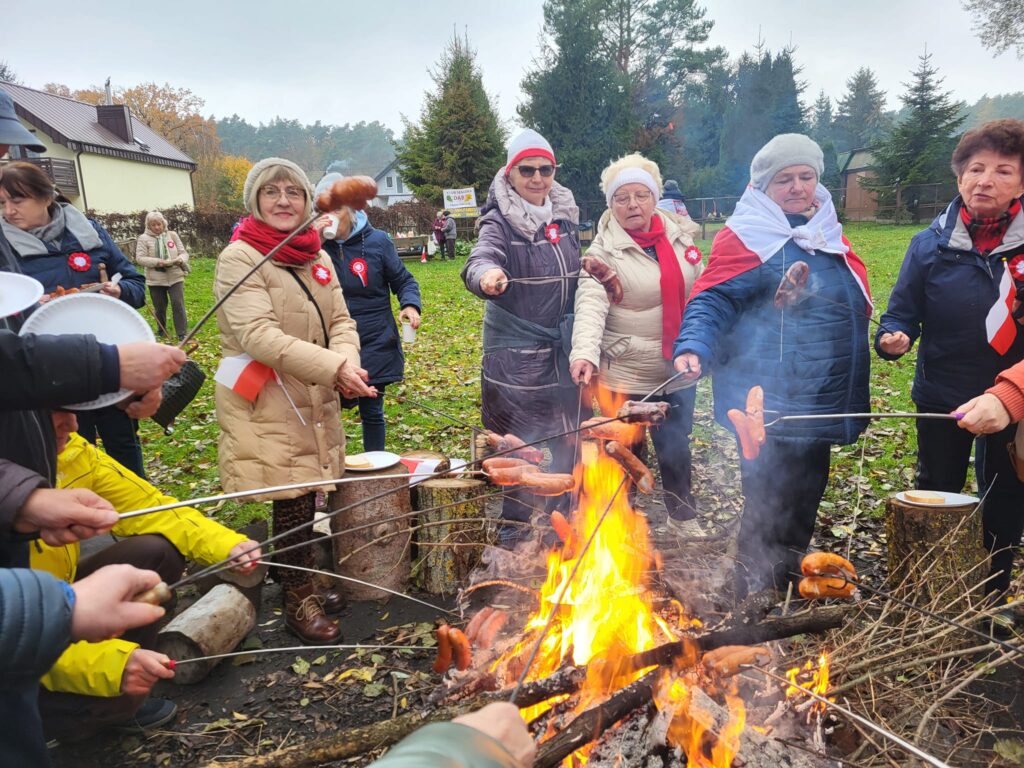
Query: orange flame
[[818, 682], [707, 743]]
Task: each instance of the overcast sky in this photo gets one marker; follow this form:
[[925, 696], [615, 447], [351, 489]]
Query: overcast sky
[[341, 62]]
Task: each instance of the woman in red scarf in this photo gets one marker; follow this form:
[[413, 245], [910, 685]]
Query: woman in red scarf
[[628, 346], [289, 332], [956, 292]]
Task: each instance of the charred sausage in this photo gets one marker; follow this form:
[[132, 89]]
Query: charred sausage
[[460, 649], [636, 469], [477, 621], [604, 429], [827, 564], [792, 286], [606, 276], [648, 414], [444, 650]]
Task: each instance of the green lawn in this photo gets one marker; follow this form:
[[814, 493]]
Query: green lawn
[[442, 369]]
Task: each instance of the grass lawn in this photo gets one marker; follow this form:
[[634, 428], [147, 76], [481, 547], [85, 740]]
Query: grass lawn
[[442, 369]]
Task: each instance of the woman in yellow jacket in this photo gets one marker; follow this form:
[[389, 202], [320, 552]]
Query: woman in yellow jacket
[[94, 685]]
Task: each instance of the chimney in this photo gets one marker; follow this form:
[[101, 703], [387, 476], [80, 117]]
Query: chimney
[[109, 94], [117, 119]]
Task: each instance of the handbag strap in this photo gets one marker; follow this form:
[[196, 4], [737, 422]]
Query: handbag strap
[[309, 295]]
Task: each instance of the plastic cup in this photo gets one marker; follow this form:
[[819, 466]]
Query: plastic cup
[[408, 333]]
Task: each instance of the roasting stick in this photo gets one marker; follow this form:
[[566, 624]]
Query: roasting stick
[[298, 649], [893, 415], [914, 750], [435, 411]]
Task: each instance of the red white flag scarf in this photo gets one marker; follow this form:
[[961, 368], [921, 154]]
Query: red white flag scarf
[[1000, 327]]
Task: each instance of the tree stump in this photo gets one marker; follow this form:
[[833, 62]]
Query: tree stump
[[216, 623], [376, 552], [449, 551], [933, 546]]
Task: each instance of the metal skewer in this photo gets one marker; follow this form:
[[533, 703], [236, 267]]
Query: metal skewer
[[894, 415], [298, 649], [914, 750], [425, 407]]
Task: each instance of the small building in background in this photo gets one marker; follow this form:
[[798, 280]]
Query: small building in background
[[390, 187], [859, 203], [101, 157]]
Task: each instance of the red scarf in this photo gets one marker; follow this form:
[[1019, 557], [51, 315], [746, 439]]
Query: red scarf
[[301, 249], [673, 287], [987, 234]]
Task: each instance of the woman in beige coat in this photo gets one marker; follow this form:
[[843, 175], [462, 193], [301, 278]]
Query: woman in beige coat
[[165, 260], [291, 317], [628, 346]]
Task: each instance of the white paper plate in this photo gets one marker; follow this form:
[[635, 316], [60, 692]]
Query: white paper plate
[[949, 499], [377, 459], [110, 320], [18, 292]]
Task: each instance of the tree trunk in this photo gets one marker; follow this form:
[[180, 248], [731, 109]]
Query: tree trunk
[[448, 552], [931, 547], [377, 553]]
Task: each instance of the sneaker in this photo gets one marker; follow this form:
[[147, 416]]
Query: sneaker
[[152, 714], [685, 529]]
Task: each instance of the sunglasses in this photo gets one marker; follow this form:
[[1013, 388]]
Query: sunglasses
[[527, 171]]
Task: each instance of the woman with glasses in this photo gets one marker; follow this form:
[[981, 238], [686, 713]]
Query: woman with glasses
[[806, 347], [288, 327], [627, 347], [529, 229]]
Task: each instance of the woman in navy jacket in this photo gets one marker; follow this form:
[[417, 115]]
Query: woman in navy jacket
[[369, 271], [956, 292], [58, 246]]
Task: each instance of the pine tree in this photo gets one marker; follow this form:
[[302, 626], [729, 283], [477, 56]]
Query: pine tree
[[821, 119], [576, 99], [860, 119], [919, 148], [459, 141]]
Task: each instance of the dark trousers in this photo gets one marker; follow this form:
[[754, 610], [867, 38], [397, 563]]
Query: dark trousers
[[160, 295], [371, 414], [75, 716], [119, 433], [449, 248], [21, 738], [943, 454], [782, 489], [672, 447], [287, 514]]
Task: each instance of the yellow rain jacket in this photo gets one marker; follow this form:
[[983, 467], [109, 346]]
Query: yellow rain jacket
[[95, 669]]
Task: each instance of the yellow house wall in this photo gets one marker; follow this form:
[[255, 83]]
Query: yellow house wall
[[113, 185]]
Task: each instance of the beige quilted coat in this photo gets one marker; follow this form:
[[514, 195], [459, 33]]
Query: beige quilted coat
[[270, 318], [624, 340], [146, 256]]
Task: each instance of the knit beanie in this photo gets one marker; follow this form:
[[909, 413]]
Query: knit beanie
[[529, 143], [672, 191], [263, 172], [785, 150]]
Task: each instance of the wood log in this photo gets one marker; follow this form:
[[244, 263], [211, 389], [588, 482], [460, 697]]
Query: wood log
[[449, 552], [344, 744], [387, 561], [216, 623], [931, 547]]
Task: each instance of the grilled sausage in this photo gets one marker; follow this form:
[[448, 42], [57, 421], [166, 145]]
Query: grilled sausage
[[743, 425], [512, 475], [477, 621], [827, 564], [503, 462], [606, 276], [792, 285], [444, 649], [730, 659], [349, 192], [755, 412], [648, 414], [636, 469], [604, 429], [820, 587], [460, 649], [490, 629], [545, 484], [561, 526], [522, 450]]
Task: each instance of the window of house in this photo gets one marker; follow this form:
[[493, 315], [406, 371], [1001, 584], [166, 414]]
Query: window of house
[[400, 190], [391, 181]]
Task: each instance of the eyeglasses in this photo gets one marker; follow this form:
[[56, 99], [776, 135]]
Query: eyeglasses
[[527, 171], [292, 193], [641, 197]]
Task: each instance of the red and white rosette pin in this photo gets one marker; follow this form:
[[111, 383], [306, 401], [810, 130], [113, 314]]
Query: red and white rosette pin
[[170, 244], [1016, 265], [551, 233], [79, 261], [321, 274], [693, 255], [358, 268]]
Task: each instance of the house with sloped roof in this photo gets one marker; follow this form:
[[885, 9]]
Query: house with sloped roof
[[102, 157], [859, 202], [391, 188]]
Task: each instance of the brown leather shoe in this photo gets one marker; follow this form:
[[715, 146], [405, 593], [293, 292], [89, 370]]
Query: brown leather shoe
[[327, 588], [304, 616]]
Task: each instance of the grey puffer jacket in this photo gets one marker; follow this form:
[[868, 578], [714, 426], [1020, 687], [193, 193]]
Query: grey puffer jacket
[[525, 383]]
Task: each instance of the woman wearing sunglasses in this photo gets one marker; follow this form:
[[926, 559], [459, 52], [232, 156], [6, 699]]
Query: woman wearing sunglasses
[[529, 229]]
